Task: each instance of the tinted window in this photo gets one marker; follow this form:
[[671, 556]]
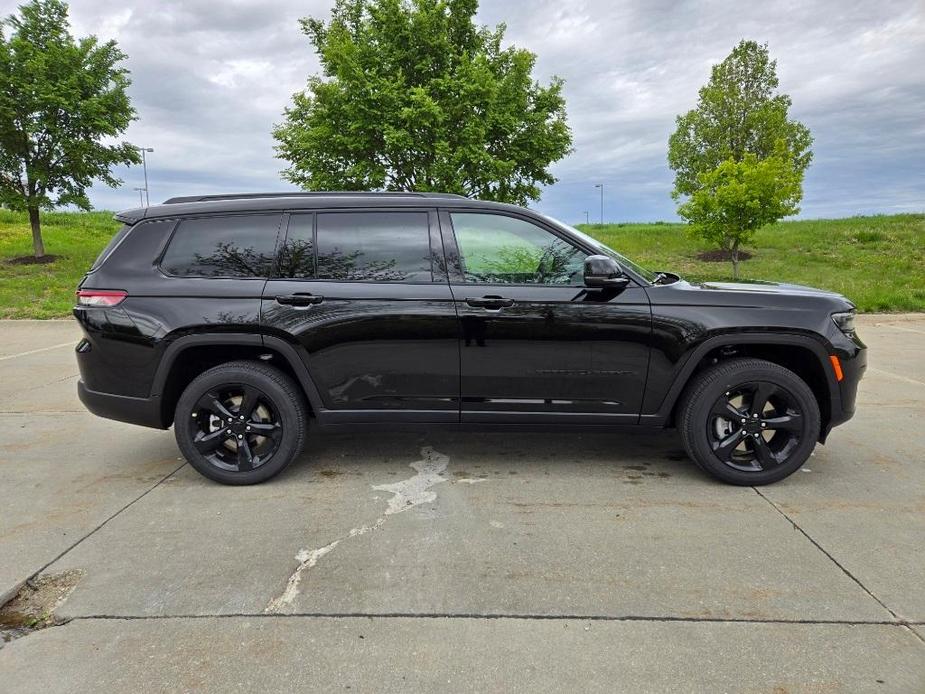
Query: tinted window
[[113, 242], [495, 249], [374, 246], [237, 246], [297, 256]]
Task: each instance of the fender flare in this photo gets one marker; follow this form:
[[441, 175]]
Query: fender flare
[[297, 362], [686, 369]]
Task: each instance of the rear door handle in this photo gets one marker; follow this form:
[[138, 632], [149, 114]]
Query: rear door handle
[[299, 299], [491, 302]]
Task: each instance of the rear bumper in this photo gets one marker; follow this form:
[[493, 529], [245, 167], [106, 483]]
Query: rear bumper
[[144, 412]]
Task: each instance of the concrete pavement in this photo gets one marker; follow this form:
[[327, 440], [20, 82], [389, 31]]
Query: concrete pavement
[[464, 561]]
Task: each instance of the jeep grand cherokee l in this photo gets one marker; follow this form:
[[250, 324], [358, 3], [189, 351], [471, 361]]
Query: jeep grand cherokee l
[[237, 318]]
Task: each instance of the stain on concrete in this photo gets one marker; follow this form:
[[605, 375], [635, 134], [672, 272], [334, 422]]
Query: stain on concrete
[[406, 494], [416, 490]]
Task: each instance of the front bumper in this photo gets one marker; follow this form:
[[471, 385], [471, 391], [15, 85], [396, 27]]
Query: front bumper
[[144, 412], [853, 370], [853, 365]]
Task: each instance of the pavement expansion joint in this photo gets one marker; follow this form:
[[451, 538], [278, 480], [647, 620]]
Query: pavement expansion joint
[[37, 574], [496, 616], [796, 526]]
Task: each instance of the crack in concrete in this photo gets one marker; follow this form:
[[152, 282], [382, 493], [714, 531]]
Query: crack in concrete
[[897, 619], [12, 593], [406, 494]]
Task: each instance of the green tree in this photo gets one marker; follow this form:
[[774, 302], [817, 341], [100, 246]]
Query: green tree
[[415, 96], [62, 102], [738, 158]]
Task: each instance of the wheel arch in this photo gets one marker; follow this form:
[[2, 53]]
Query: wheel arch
[[804, 355], [188, 356]]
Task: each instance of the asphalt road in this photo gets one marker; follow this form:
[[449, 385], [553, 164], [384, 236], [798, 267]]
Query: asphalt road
[[442, 561]]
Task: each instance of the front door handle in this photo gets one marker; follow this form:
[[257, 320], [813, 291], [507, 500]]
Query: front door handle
[[299, 299], [492, 302]]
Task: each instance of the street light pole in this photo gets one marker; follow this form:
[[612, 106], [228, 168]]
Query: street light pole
[[144, 165], [601, 186], [587, 218], [141, 199]]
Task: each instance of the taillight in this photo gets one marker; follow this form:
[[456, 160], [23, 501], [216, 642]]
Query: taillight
[[100, 297]]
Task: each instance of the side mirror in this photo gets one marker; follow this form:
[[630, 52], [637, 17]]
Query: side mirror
[[602, 271]]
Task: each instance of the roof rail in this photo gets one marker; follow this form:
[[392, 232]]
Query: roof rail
[[306, 194]]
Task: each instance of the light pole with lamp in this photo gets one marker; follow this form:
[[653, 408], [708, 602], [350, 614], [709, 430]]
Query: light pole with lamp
[[144, 165], [601, 186]]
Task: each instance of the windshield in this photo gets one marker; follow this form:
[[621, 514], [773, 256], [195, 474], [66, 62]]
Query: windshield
[[648, 275]]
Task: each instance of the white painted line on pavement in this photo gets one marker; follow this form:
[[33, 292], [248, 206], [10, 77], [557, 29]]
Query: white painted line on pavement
[[899, 327], [896, 376], [36, 351]]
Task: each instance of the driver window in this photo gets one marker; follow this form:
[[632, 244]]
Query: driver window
[[495, 249]]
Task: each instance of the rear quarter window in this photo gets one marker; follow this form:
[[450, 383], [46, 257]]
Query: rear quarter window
[[230, 246], [110, 247]]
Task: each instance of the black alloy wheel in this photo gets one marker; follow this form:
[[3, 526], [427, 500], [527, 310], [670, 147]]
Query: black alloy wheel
[[241, 422], [755, 426], [237, 427], [749, 421]]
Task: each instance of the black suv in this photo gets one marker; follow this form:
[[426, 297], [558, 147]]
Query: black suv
[[238, 318]]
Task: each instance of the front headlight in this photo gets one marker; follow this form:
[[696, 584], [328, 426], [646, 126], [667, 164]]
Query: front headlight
[[845, 322]]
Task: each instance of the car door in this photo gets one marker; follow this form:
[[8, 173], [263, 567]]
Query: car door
[[365, 294], [536, 344]]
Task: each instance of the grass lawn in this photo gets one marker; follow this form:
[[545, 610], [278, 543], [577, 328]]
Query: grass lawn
[[877, 262], [47, 291]]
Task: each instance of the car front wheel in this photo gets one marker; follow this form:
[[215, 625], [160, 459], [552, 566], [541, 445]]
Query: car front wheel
[[749, 421], [241, 422]]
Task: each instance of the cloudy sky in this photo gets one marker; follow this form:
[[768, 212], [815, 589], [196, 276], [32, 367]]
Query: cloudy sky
[[210, 78]]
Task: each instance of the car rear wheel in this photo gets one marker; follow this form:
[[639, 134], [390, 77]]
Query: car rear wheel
[[241, 422], [749, 421]]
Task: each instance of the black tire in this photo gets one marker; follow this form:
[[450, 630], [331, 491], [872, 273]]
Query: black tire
[[722, 434], [241, 423]]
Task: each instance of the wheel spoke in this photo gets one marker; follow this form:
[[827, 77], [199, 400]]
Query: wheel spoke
[[206, 443], [245, 456], [787, 422], [248, 402], [270, 429], [762, 453], [211, 402], [760, 397], [723, 449]]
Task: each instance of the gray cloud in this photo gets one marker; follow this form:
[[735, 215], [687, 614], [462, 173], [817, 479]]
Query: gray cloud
[[210, 79]]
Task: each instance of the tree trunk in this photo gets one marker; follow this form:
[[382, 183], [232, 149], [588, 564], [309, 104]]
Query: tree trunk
[[735, 259], [37, 244]]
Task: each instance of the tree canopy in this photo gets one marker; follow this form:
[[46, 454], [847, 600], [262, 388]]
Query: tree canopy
[[415, 96], [738, 158], [62, 104]]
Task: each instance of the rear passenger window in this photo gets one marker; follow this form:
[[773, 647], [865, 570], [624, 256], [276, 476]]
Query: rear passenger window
[[236, 246], [297, 256], [373, 247]]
